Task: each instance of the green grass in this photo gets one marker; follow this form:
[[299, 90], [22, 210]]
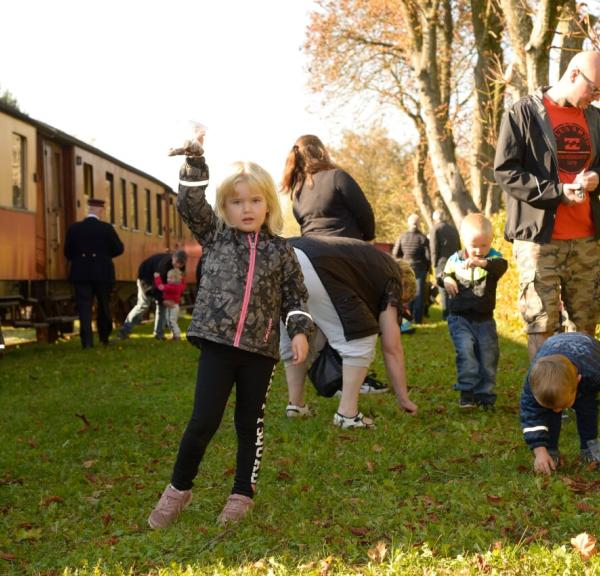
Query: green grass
[[445, 492]]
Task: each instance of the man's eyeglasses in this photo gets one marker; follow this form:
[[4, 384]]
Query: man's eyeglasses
[[595, 89]]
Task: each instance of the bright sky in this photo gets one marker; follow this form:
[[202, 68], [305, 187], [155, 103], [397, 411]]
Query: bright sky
[[127, 76]]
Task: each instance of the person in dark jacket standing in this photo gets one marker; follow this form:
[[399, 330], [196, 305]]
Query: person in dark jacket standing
[[413, 246], [326, 200], [565, 373], [90, 246], [548, 162], [146, 293], [443, 242]]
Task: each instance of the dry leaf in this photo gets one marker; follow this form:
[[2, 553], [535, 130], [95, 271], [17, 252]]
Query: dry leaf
[[283, 475], [358, 531], [377, 554], [585, 544], [539, 534], [50, 499], [377, 448], [397, 468], [7, 556], [493, 499], [325, 566], [89, 463], [370, 466]]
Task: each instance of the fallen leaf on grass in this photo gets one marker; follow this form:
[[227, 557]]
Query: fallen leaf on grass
[[585, 507], [358, 531], [539, 534], [440, 409], [482, 564], [493, 499], [397, 468], [52, 499], [308, 566], [325, 566], [284, 475], [86, 423], [377, 448], [579, 485], [109, 541], [585, 544], [370, 466], [89, 463], [7, 556], [378, 552], [229, 472], [107, 519]]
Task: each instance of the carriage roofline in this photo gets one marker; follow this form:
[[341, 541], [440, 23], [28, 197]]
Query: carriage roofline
[[59, 136]]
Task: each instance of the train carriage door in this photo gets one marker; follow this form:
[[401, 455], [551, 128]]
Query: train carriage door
[[54, 193]]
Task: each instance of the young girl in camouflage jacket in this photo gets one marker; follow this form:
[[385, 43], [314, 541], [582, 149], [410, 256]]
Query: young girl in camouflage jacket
[[250, 279]]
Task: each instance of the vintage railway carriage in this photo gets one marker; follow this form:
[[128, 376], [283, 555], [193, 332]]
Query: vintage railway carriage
[[46, 177]]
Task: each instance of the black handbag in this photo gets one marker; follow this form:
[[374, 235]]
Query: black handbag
[[326, 372]]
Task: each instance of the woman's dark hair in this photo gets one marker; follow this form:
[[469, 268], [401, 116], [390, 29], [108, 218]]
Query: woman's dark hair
[[307, 157]]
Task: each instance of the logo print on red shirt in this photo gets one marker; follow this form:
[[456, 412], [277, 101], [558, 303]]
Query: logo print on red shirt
[[573, 147]]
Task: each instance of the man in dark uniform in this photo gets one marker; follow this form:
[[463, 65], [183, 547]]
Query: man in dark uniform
[[90, 246], [160, 264]]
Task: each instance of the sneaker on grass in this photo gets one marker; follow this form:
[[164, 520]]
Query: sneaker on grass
[[467, 400], [294, 411], [358, 421], [236, 507], [373, 386], [170, 505]]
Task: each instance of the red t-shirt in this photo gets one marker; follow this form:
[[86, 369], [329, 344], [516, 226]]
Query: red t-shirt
[[574, 147]]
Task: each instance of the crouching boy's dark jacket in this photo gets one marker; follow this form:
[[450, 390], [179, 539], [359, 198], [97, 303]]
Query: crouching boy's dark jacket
[[249, 281], [584, 352]]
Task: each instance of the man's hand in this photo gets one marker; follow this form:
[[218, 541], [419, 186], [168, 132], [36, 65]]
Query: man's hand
[[573, 194], [299, 348], [588, 180], [450, 286], [544, 463]]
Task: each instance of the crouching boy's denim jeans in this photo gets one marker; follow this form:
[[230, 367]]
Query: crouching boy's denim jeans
[[477, 354]]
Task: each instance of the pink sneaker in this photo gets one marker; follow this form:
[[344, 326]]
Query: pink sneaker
[[236, 507], [170, 505]]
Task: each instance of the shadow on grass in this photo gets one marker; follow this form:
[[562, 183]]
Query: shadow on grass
[[88, 439]]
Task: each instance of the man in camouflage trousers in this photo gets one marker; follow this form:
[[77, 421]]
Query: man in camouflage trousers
[[548, 162]]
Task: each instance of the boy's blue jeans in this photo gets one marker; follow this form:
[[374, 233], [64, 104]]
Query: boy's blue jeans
[[477, 354]]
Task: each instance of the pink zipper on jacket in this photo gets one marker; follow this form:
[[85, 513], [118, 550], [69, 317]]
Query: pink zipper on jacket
[[247, 291]]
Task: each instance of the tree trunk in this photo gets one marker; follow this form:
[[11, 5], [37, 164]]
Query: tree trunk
[[420, 188], [531, 42], [487, 112], [432, 78], [570, 35]]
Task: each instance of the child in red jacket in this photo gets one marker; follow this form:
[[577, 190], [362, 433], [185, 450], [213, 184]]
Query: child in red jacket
[[171, 292]]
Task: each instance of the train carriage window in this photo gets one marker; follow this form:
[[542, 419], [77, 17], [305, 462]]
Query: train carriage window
[[148, 211], [172, 216], [19, 147], [123, 203], [88, 180], [135, 213], [109, 184], [159, 214]]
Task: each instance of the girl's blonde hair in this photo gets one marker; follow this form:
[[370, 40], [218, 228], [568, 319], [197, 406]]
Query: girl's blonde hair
[[259, 180]]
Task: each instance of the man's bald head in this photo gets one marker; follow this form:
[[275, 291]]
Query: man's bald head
[[580, 84]]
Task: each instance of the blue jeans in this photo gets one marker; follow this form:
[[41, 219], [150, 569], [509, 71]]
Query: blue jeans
[[417, 305], [477, 354]]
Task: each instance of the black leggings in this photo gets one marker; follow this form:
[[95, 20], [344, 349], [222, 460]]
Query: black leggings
[[219, 368]]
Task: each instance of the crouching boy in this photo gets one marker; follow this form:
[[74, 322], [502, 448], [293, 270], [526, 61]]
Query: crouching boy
[[565, 373]]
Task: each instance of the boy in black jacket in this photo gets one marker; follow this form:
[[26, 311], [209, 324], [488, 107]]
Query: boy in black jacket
[[470, 279]]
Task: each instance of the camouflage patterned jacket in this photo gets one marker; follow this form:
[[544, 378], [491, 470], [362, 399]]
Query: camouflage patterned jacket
[[249, 281]]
